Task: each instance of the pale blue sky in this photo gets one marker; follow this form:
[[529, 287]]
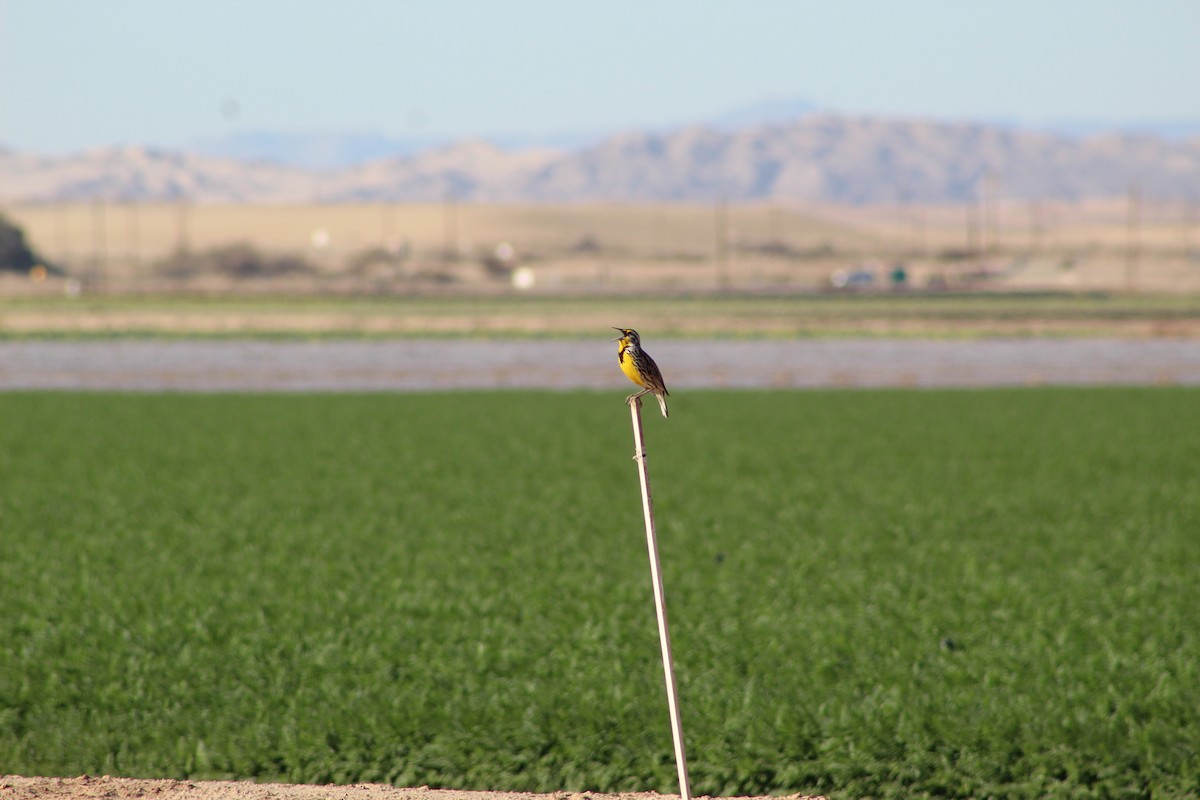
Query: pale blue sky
[[84, 73]]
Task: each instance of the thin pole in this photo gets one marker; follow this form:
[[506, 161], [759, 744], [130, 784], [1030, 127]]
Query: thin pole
[[1133, 237], [64, 241], [660, 608], [133, 250], [181, 229], [721, 254], [99, 256], [450, 226]]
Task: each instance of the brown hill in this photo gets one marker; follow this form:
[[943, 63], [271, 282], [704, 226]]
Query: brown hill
[[829, 158]]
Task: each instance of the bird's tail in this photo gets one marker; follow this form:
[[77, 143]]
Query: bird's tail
[[662, 402]]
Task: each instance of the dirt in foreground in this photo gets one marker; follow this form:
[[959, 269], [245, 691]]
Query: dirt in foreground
[[14, 787]]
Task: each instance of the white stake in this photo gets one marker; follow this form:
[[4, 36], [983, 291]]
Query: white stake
[[664, 637]]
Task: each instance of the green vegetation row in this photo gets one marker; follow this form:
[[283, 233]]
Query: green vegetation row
[[848, 304], [887, 594]]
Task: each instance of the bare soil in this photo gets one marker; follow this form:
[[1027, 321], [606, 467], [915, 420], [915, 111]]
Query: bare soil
[[15, 787]]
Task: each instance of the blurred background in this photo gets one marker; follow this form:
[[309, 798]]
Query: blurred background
[[470, 149]]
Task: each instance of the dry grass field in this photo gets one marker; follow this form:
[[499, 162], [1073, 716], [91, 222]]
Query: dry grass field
[[1113, 245], [1099, 268]]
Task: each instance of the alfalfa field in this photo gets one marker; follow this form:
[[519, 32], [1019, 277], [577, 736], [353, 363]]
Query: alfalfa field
[[872, 593]]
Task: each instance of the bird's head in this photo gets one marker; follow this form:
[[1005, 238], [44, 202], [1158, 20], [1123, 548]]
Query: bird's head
[[627, 334]]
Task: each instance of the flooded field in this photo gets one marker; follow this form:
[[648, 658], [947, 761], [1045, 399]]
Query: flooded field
[[432, 364]]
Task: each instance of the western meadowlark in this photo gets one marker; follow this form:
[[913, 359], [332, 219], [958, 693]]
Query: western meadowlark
[[640, 368]]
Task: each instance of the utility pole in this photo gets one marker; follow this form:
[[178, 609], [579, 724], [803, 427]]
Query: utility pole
[[974, 249], [133, 237], [1189, 223], [62, 235], [721, 225], [98, 255], [1036, 227], [181, 226], [1133, 237], [990, 198], [450, 227]]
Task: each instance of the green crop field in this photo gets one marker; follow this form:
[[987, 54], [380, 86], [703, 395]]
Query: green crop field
[[886, 593]]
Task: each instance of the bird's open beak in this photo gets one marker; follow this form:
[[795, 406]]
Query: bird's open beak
[[619, 338]]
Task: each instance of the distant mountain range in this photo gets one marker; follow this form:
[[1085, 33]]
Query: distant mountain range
[[330, 150], [784, 152]]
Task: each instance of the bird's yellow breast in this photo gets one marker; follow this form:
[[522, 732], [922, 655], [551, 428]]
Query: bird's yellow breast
[[625, 359]]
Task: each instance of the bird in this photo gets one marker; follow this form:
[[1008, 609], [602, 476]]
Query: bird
[[640, 368]]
